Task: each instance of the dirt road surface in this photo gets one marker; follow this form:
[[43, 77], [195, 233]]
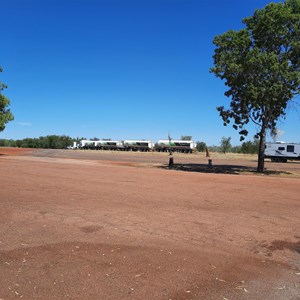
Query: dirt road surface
[[81, 226]]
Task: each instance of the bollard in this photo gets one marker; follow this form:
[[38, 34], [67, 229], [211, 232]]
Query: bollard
[[171, 159], [210, 163]]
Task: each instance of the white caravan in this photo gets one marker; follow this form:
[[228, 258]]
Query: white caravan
[[282, 152]]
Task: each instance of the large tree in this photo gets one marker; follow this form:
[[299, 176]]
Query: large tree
[[5, 113], [261, 66]]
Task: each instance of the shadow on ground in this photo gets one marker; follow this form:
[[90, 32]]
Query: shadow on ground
[[281, 245], [220, 169]]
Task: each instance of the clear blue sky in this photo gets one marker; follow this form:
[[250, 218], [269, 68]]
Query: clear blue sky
[[120, 69]]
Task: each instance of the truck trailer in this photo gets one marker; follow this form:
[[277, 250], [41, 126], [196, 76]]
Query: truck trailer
[[109, 145], [136, 145], [139, 145], [176, 146]]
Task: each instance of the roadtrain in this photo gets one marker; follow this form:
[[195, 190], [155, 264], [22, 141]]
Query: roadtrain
[[138, 145]]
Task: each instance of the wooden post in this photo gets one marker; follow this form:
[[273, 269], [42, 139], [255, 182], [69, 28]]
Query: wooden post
[[207, 153], [171, 159], [210, 163]]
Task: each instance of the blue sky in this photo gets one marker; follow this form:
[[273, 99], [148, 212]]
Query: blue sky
[[120, 69]]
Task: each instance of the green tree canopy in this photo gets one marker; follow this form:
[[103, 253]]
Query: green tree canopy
[[46, 142], [261, 66], [5, 113], [225, 144], [249, 147], [201, 146]]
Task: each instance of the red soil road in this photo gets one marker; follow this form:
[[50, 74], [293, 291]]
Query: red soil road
[[228, 163], [87, 229]]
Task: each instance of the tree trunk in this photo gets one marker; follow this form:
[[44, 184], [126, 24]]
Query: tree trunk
[[261, 150]]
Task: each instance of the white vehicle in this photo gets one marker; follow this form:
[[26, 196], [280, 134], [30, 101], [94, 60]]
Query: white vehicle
[[282, 152], [136, 145], [75, 146], [86, 144], [176, 145]]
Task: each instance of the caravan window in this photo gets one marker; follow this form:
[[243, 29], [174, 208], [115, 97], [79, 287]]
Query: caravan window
[[281, 148], [290, 148]]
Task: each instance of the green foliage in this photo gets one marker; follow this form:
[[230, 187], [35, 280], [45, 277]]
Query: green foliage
[[213, 148], [5, 113], [7, 143], [261, 66], [249, 147], [225, 144], [46, 142], [201, 146], [235, 149]]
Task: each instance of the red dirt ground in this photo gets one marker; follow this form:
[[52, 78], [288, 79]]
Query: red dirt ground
[[14, 151], [99, 229]]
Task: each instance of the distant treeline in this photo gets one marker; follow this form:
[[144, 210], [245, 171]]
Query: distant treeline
[[249, 147], [63, 141], [48, 142]]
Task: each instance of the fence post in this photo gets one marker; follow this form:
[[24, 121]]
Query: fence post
[[210, 163], [171, 159]]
